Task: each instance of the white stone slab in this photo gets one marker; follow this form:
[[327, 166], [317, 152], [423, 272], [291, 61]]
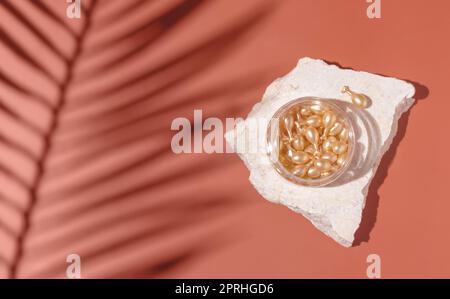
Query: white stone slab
[[335, 210]]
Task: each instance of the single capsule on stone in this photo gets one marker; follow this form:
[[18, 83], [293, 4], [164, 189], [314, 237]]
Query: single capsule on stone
[[314, 121], [343, 135], [359, 99], [340, 147], [300, 170], [322, 164], [313, 172], [327, 145], [298, 143], [330, 156], [335, 129]]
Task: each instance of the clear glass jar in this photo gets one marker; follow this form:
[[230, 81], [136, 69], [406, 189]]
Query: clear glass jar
[[311, 141]]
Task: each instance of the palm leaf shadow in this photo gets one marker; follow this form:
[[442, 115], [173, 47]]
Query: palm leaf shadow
[[62, 211]]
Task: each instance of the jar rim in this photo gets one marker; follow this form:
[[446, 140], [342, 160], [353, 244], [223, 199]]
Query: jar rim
[[279, 167]]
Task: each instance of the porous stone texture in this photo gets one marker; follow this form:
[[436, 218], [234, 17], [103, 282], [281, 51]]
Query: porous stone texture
[[335, 209]]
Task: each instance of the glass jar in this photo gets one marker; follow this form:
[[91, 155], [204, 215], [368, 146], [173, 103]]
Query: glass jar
[[311, 141]]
